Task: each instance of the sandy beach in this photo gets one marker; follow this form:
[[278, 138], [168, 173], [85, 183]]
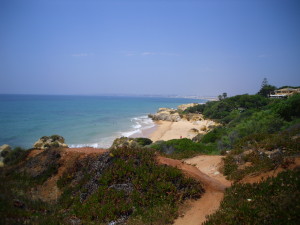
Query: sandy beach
[[166, 130]]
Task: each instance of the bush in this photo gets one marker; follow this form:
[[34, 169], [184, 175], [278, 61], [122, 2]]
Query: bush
[[280, 146], [289, 108], [274, 201], [143, 141], [15, 156], [214, 135], [133, 186], [195, 109], [182, 148]]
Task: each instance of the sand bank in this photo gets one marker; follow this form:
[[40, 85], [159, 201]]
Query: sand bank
[[166, 130]]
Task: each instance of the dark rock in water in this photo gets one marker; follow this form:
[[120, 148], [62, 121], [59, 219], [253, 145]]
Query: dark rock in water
[[47, 142]]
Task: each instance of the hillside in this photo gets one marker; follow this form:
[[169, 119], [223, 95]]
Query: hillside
[[244, 171]]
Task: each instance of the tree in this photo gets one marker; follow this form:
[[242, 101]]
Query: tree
[[224, 95], [266, 89]]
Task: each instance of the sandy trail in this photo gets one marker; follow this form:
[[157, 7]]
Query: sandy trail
[[205, 169]]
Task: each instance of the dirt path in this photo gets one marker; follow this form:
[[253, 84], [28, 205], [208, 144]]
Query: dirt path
[[205, 169]]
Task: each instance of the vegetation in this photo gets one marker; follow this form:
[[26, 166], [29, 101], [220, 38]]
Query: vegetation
[[15, 156], [143, 141], [266, 88], [274, 201], [256, 135], [261, 152], [125, 184], [182, 148], [219, 110]]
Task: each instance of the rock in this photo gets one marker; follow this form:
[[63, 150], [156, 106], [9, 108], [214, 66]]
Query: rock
[[275, 155], [166, 114], [128, 187], [203, 128], [4, 150], [194, 130], [18, 204], [46, 142], [192, 133], [197, 138], [185, 106], [193, 117], [124, 142]]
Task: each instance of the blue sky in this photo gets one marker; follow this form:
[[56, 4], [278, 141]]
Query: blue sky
[[148, 47]]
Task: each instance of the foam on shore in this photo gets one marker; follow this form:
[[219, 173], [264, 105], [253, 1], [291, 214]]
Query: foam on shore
[[140, 127]]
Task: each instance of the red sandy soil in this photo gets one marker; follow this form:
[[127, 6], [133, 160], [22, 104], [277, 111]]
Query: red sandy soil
[[205, 169], [49, 191], [273, 173], [195, 211]]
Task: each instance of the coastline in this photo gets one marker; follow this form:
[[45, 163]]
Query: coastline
[[166, 130]]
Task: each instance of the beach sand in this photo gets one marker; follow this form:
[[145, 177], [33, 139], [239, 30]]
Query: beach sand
[[166, 130]]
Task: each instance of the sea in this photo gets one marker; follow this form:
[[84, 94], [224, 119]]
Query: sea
[[84, 121]]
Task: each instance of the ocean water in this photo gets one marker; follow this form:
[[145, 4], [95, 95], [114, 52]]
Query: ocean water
[[82, 120]]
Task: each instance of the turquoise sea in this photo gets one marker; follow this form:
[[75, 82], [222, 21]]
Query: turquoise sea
[[82, 120]]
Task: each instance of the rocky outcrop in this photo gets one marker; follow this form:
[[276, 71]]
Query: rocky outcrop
[[4, 151], [125, 142], [192, 117], [166, 114], [185, 106], [54, 141]]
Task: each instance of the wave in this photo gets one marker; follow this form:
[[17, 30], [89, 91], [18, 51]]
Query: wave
[[138, 126], [104, 142]]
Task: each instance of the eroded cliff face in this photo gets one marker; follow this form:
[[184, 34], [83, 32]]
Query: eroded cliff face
[[49, 142], [166, 114], [175, 115]]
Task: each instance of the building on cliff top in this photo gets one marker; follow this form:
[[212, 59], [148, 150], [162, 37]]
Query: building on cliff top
[[285, 92]]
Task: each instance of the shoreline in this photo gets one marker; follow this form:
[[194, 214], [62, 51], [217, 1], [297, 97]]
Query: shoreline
[[167, 130]]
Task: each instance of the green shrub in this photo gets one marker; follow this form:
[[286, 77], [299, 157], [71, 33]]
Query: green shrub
[[274, 201], [283, 144], [214, 135], [195, 109], [289, 108], [133, 187], [182, 148], [15, 156], [143, 141]]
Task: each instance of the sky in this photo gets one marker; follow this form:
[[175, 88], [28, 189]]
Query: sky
[[143, 47]]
